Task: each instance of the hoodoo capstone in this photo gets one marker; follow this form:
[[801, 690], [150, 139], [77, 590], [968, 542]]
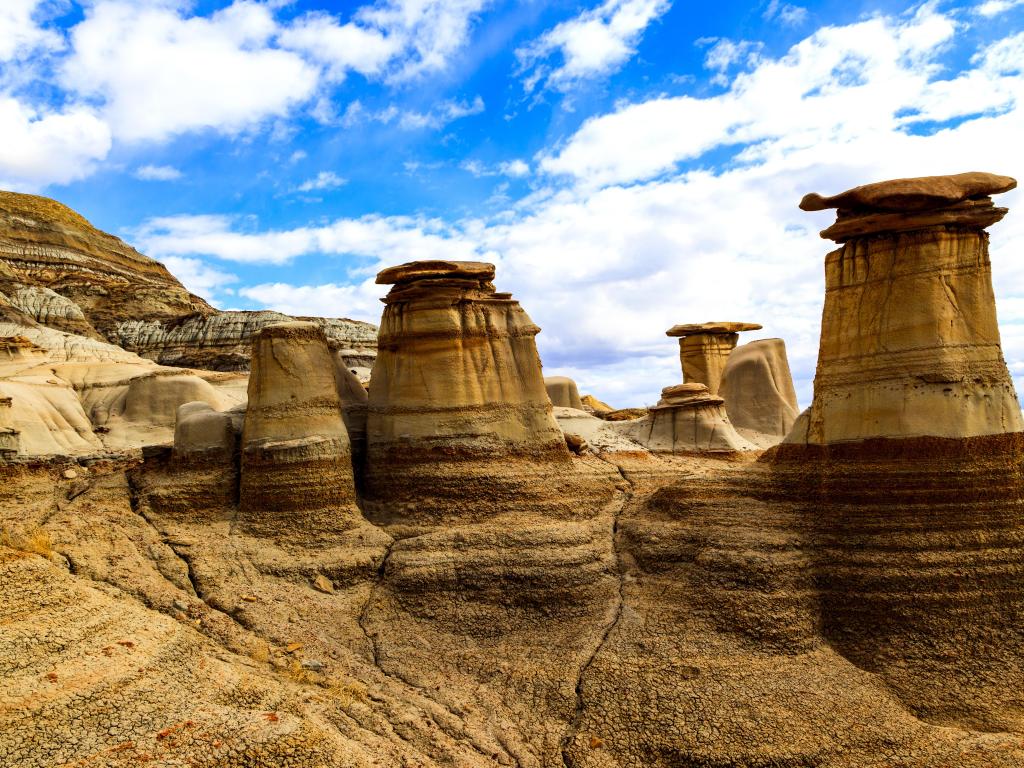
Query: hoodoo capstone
[[457, 380], [296, 457], [704, 349], [909, 341]]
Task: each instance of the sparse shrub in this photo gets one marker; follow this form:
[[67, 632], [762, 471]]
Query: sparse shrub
[[35, 540]]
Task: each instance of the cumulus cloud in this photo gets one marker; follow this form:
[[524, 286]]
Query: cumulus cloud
[[38, 148], [198, 277], [993, 8], [785, 13], [155, 73], [395, 40], [157, 173], [21, 34], [595, 43], [323, 180]]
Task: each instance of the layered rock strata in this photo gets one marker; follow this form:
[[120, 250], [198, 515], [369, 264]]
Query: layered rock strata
[[458, 410], [757, 386], [704, 349], [910, 344], [296, 458], [687, 419], [563, 392]]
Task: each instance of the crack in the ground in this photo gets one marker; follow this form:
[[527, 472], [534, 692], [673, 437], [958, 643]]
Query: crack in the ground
[[574, 729]]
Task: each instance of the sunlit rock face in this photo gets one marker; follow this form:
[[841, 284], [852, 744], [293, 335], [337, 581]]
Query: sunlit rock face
[[296, 458], [704, 349], [458, 410], [563, 392], [906, 470], [757, 386], [909, 339], [687, 419]]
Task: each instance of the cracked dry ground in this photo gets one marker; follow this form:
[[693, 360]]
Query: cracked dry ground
[[679, 624]]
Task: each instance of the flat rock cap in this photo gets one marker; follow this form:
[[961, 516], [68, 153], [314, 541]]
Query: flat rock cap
[[690, 388], [917, 194], [432, 270], [692, 329]]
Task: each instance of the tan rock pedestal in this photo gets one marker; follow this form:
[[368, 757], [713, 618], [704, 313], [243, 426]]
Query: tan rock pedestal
[[458, 410], [297, 474], [704, 349], [687, 419], [909, 339]]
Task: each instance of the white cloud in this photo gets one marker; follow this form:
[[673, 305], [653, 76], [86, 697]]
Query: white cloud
[[323, 180], [595, 43], [360, 301], [995, 7], [395, 40], [198, 277], [785, 13], [515, 168], [157, 173], [156, 73], [20, 32], [41, 148], [838, 84], [440, 115]]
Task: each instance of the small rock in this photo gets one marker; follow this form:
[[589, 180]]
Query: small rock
[[70, 474], [322, 584], [293, 647], [313, 665], [576, 443], [249, 598], [180, 605]]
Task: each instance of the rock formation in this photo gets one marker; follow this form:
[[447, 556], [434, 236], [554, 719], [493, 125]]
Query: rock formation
[[687, 419], [296, 458], [457, 403], [704, 349], [9, 436], [200, 432], [758, 389], [910, 344], [592, 405], [563, 392]]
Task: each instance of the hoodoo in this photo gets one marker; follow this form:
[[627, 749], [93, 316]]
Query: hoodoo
[[296, 456], [457, 403], [757, 386], [687, 419], [563, 392], [909, 340], [704, 349]]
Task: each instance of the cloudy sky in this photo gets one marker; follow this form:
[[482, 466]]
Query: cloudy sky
[[628, 164]]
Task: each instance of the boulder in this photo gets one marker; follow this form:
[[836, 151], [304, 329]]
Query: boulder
[[758, 389], [563, 392]]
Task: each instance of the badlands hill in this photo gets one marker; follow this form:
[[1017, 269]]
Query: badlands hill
[[58, 271], [464, 566]]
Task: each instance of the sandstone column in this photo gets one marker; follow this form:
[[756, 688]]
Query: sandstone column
[[296, 459], [909, 339], [704, 349], [458, 411]]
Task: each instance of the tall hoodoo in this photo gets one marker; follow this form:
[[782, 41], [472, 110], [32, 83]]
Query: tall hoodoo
[[457, 380], [296, 457], [704, 349], [909, 340]]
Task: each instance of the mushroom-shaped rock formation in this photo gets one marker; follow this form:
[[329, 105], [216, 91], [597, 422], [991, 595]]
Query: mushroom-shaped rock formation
[[909, 340], [907, 465], [758, 389], [458, 410], [687, 419], [704, 349], [563, 392], [296, 458]]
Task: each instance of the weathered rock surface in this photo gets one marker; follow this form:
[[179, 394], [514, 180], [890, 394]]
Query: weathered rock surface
[[296, 457], [704, 349], [687, 419], [758, 390], [910, 344], [563, 392]]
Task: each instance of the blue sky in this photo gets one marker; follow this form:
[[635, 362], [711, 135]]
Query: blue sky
[[628, 164]]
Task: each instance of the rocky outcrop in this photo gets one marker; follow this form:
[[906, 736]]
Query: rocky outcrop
[[563, 392], [46, 245], [704, 349], [910, 344], [687, 419], [223, 341], [458, 410], [297, 474], [758, 390]]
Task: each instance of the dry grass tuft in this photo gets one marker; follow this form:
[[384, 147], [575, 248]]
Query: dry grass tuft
[[35, 540]]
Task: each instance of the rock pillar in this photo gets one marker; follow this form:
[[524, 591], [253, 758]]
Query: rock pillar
[[704, 349], [296, 458], [758, 389], [687, 419], [909, 340]]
